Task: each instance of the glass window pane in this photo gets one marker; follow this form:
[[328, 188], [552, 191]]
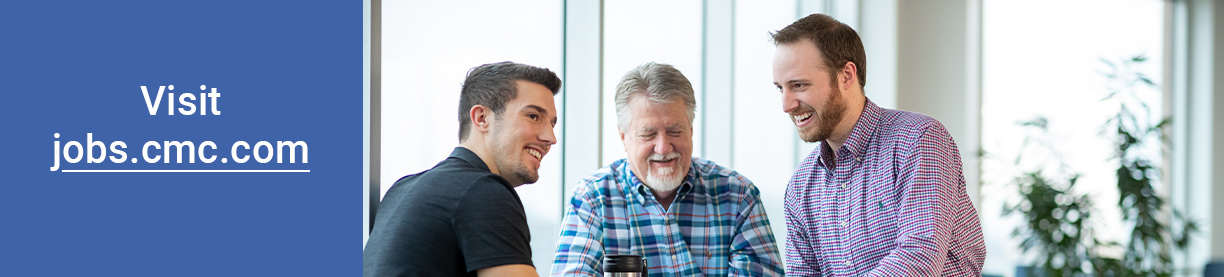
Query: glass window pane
[[428, 47], [1043, 58], [641, 31], [765, 139]]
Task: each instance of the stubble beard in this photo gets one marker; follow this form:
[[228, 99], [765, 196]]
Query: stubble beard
[[510, 161]]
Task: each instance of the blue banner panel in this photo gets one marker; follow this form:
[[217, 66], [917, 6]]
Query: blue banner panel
[[180, 138]]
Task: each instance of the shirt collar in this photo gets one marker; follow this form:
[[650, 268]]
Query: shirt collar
[[860, 136], [470, 157]]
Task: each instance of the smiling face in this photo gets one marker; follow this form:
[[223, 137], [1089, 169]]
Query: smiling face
[[810, 95], [658, 142], [523, 133]]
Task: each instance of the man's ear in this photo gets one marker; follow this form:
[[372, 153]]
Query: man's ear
[[846, 76], [481, 118]]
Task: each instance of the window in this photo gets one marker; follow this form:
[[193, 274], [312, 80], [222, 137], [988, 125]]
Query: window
[[641, 31], [427, 49], [1043, 58], [766, 147]]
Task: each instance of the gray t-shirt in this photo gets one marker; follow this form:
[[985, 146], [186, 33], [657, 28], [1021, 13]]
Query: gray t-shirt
[[450, 220]]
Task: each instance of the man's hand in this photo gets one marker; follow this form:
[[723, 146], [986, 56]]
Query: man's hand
[[508, 270]]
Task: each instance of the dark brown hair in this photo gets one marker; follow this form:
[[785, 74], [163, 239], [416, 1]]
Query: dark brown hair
[[836, 41], [492, 85]]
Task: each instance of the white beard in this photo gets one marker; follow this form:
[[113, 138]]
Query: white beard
[[665, 180]]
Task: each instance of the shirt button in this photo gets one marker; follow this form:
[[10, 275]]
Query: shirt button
[[673, 258], [843, 185]]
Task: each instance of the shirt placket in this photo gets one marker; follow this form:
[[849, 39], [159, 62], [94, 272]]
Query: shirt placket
[[672, 248], [670, 225], [843, 176]]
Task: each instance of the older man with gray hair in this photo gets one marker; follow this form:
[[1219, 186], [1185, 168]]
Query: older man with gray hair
[[686, 215]]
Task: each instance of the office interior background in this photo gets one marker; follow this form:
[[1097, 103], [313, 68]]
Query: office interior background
[[982, 67]]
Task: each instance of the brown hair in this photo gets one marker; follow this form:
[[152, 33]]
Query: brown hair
[[492, 85], [836, 41]]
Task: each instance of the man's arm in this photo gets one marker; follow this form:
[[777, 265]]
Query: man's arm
[[580, 247], [491, 226], [801, 258], [753, 250], [928, 178], [517, 270]]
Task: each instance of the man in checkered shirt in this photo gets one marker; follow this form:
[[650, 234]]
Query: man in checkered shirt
[[687, 216], [883, 194]]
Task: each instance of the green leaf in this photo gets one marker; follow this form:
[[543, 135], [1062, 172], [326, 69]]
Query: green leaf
[[1107, 62], [1146, 80]]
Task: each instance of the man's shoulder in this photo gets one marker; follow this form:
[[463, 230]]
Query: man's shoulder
[[598, 184], [608, 173], [722, 179], [905, 125], [454, 172], [706, 167], [710, 170], [448, 180]]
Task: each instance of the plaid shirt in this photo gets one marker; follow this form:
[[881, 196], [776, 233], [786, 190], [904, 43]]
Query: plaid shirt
[[716, 226], [892, 202]]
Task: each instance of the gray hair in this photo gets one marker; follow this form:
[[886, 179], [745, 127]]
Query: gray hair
[[660, 83]]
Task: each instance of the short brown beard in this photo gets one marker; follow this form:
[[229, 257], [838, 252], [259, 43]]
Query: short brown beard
[[830, 116]]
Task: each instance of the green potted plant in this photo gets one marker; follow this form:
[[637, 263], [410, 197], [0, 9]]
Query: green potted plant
[[1058, 223], [1059, 227], [1149, 249]]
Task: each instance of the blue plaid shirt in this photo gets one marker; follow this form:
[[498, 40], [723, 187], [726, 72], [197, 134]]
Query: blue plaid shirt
[[716, 225]]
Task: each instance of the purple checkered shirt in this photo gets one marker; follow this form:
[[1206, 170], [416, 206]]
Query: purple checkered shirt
[[892, 202]]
